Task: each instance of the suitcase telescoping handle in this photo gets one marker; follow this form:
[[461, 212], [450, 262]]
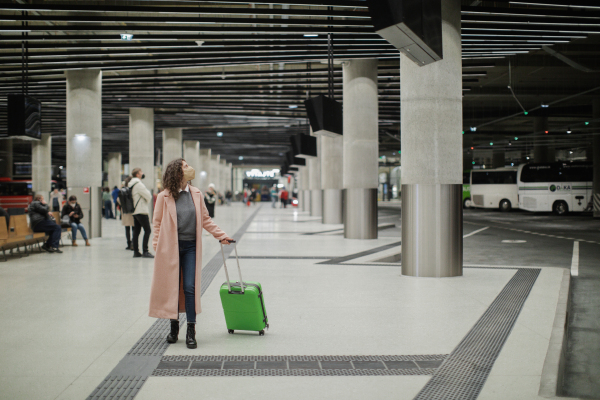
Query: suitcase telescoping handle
[[238, 265]]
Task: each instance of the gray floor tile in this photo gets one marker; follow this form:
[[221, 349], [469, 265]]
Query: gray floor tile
[[401, 365], [206, 365], [336, 365], [238, 365], [271, 365], [173, 364], [368, 365], [304, 365]]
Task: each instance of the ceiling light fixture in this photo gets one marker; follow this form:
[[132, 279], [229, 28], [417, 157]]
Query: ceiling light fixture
[[240, 158], [293, 106], [473, 129], [545, 106], [219, 134], [311, 35]]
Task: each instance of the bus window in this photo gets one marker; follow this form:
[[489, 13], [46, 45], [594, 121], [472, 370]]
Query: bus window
[[466, 178], [539, 173], [494, 177], [578, 172], [15, 189]]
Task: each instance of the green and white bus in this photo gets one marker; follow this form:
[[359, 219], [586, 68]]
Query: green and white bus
[[494, 188], [557, 186]]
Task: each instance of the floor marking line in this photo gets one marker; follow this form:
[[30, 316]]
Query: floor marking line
[[475, 232], [575, 259]]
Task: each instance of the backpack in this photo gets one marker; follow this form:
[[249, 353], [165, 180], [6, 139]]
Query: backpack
[[126, 199]]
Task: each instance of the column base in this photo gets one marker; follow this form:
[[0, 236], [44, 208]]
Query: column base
[[332, 206], [316, 203], [360, 213], [432, 224]]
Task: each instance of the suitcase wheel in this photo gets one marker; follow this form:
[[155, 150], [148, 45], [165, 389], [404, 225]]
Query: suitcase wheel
[[230, 331], [261, 333]]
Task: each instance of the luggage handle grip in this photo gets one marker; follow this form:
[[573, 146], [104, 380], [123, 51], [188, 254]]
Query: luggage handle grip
[[238, 265]]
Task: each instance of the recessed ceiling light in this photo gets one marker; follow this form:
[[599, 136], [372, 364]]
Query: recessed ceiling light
[[311, 35], [219, 134], [545, 106], [199, 42], [126, 36], [240, 158], [293, 106], [473, 129]]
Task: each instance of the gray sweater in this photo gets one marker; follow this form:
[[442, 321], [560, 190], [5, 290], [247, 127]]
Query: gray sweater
[[186, 216]]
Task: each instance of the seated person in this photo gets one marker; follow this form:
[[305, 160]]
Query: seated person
[[73, 210], [39, 218]]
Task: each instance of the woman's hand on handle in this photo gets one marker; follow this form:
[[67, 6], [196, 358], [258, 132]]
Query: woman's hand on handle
[[227, 240]]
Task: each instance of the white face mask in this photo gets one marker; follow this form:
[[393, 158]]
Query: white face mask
[[73, 204]]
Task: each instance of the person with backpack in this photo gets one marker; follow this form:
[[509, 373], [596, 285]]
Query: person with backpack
[[73, 211], [141, 200], [126, 206]]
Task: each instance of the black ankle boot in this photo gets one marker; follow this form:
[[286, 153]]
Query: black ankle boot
[[190, 338], [172, 337]]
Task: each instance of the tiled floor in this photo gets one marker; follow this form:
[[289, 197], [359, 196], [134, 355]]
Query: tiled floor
[[69, 319]]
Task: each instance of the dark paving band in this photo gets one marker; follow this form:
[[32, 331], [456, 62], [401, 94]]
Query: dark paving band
[[463, 374], [127, 378], [298, 365]]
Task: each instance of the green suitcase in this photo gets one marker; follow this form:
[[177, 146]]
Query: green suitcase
[[243, 303]]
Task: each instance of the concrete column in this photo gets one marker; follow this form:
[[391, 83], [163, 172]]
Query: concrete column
[[230, 177], [305, 187], [191, 154], [314, 182], [84, 142], [223, 176], [41, 165], [432, 157], [542, 152], [215, 160], [204, 170], [6, 158], [84, 128], [172, 145], [141, 143], [498, 159], [114, 170], [596, 157], [361, 149], [332, 149]]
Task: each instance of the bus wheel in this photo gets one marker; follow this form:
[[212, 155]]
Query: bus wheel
[[560, 207], [505, 205], [467, 203]]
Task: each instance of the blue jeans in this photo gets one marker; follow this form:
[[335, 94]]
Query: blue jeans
[[108, 214], [187, 268], [52, 230], [74, 228]]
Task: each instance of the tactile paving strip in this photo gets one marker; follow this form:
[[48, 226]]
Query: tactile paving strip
[[118, 387], [299, 365], [464, 372], [292, 372]]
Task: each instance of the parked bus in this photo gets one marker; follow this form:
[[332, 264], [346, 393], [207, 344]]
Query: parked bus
[[557, 186], [467, 189], [494, 188], [16, 193]]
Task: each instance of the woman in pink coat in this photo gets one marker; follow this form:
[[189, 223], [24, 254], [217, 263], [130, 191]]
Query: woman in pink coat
[[179, 217]]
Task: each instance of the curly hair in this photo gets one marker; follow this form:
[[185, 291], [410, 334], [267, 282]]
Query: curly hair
[[173, 176]]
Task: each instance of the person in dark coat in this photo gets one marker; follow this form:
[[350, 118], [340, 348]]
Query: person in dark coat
[[39, 218], [73, 210], [210, 198]]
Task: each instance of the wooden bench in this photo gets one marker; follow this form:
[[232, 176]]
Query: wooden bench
[[18, 234]]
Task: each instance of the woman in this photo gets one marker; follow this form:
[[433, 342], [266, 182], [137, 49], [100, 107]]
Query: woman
[[127, 219], [179, 217], [106, 198], [210, 200], [73, 210]]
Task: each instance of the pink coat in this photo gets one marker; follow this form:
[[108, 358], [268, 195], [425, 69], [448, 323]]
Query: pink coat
[[166, 294]]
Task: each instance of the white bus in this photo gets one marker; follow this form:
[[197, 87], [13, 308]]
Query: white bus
[[494, 188], [558, 186]]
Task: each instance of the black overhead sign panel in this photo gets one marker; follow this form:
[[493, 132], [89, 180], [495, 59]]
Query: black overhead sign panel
[[413, 26]]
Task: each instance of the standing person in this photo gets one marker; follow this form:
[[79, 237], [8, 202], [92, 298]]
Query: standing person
[[228, 197], [179, 218], [115, 196], [107, 200], [141, 199], [56, 200], [252, 197], [284, 197], [210, 200], [39, 218], [127, 219], [273, 196], [73, 210]]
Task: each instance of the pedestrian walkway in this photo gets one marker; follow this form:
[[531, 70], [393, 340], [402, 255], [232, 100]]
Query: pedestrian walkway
[[343, 322]]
